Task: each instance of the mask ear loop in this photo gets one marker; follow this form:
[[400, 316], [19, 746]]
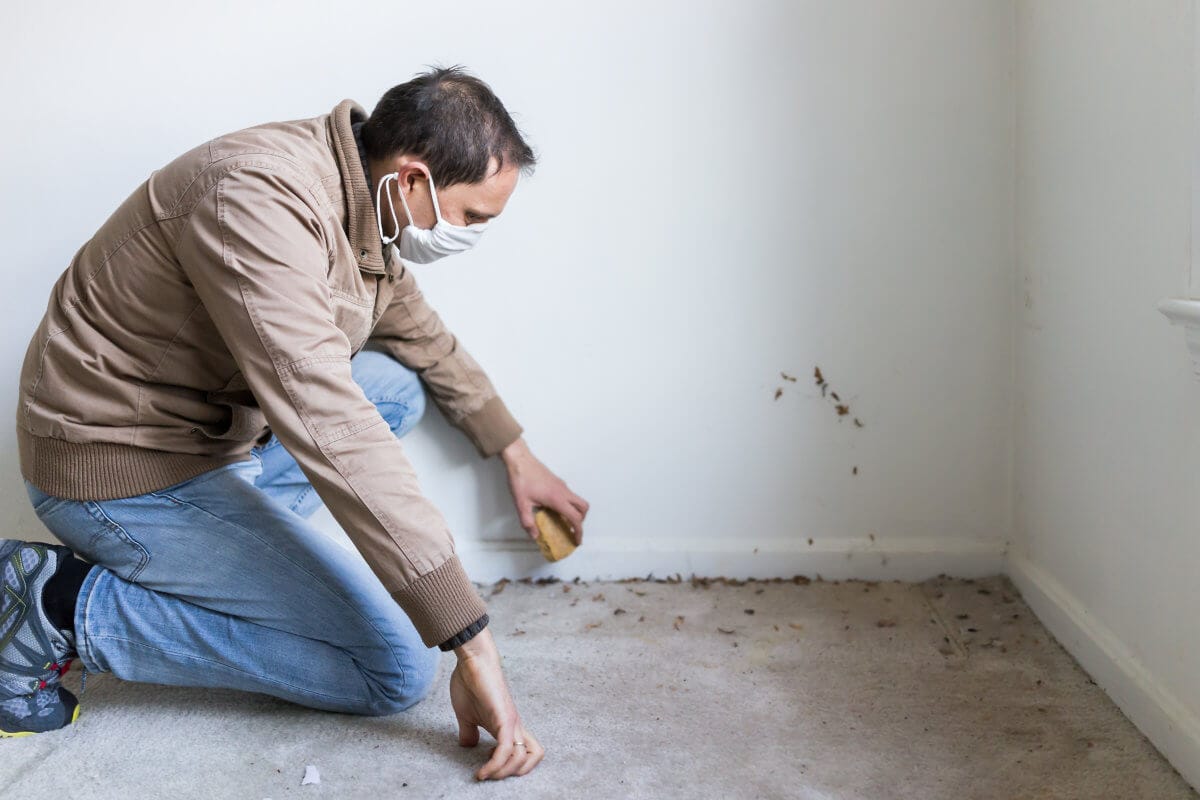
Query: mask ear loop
[[433, 193], [404, 202], [391, 207], [436, 209]]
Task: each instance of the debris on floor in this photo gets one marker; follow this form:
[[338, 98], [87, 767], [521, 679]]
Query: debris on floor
[[807, 697]]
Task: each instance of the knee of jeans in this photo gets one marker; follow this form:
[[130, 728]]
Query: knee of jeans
[[415, 687], [402, 414]]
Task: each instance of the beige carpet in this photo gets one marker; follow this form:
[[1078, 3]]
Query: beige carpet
[[947, 689]]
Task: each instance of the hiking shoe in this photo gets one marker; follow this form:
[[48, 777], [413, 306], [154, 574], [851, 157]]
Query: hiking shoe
[[37, 712], [34, 654]]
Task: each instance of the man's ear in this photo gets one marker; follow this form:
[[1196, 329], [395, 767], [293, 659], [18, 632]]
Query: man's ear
[[411, 174]]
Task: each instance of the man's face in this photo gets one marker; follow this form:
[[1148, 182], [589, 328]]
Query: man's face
[[461, 203]]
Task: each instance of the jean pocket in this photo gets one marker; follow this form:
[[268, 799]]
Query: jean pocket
[[92, 534], [109, 544]]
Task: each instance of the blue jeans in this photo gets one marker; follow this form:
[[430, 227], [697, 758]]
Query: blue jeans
[[221, 581]]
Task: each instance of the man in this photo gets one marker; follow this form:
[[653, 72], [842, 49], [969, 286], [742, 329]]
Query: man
[[239, 342]]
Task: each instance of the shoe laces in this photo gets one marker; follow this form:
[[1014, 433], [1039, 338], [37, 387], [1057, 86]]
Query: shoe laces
[[61, 669]]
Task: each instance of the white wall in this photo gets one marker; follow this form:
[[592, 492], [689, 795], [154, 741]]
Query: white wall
[[728, 190], [1106, 542]]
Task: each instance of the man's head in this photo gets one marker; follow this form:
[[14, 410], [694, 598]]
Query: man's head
[[448, 125]]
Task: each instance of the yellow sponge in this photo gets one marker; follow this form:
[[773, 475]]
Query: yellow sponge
[[554, 534]]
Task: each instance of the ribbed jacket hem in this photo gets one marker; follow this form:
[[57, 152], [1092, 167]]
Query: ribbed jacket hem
[[106, 470], [441, 603]]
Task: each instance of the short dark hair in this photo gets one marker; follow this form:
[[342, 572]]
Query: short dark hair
[[452, 121]]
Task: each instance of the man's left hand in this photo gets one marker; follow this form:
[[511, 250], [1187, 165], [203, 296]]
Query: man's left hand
[[533, 485]]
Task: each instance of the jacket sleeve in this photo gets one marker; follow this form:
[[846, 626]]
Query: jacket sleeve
[[414, 334], [256, 250]]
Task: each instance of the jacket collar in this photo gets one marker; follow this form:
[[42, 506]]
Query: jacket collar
[[362, 227]]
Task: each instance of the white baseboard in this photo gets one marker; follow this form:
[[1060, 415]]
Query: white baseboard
[[1165, 721], [909, 559]]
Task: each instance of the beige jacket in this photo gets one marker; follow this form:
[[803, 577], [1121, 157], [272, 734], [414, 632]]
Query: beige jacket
[[221, 302]]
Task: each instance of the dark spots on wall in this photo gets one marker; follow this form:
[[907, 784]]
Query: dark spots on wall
[[841, 407]]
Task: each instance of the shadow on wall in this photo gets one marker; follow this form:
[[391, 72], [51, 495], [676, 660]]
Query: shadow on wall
[[471, 491]]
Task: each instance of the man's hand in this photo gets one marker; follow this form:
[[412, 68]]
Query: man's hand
[[532, 485], [480, 698]]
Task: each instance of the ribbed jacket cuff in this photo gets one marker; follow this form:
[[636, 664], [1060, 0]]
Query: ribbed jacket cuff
[[441, 603], [492, 428]]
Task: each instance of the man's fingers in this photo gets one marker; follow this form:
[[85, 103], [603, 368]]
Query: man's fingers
[[500, 755], [535, 754], [572, 515], [580, 504], [468, 735], [520, 755], [515, 760], [526, 515]]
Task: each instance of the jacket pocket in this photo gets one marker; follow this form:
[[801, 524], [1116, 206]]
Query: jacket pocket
[[354, 316], [243, 420]]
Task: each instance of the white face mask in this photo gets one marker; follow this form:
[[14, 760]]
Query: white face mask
[[423, 245]]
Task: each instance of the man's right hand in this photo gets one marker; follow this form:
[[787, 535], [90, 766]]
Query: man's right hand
[[480, 697]]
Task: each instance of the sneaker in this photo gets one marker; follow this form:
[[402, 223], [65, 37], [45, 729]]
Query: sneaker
[[34, 654]]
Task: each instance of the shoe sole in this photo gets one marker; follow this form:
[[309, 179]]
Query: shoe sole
[[6, 735]]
